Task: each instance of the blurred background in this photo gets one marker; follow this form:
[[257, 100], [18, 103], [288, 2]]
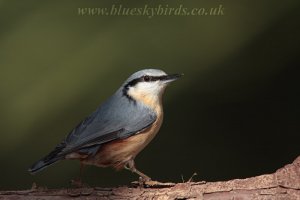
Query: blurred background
[[234, 114]]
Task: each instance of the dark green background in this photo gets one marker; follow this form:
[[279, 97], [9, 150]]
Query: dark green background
[[234, 114]]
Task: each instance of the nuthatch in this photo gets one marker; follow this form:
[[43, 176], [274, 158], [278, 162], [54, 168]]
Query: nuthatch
[[120, 128]]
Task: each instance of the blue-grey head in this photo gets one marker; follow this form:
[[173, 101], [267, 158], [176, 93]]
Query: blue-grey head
[[147, 84]]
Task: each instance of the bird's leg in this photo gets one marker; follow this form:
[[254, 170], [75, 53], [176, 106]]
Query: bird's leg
[[131, 167], [145, 181], [81, 169], [78, 181]]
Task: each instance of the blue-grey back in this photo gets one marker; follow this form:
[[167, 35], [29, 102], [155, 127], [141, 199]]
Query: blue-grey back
[[118, 117]]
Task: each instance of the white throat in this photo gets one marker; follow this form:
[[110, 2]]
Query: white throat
[[148, 93]]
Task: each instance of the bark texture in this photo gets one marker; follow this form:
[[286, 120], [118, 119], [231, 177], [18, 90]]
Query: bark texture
[[283, 184]]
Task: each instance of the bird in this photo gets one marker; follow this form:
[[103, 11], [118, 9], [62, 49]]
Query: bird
[[122, 126]]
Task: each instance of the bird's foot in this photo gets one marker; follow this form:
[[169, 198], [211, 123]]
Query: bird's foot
[[80, 188], [76, 192], [157, 184], [77, 183], [148, 183]]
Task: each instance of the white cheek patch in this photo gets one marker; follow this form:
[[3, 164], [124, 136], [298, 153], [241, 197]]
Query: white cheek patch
[[146, 89], [145, 86], [150, 88]]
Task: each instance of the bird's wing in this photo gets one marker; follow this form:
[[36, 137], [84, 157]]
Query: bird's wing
[[118, 118]]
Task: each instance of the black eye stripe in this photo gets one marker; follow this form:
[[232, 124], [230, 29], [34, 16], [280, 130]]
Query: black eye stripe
[[156, 78], [145, 78], [133, 82]]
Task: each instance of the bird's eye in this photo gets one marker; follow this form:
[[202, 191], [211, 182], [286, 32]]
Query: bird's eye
[[147, 78]]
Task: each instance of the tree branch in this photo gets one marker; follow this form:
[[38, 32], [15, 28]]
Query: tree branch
[[283, 184]]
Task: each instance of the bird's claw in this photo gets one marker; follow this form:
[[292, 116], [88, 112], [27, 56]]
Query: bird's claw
[[144, 179], [156, 184], [77, 183], [148, 183]]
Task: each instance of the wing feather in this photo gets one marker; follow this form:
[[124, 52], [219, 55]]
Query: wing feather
[[117, 118]]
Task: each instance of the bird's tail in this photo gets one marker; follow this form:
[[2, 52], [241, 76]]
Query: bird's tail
[[50, 159], [41, 164]]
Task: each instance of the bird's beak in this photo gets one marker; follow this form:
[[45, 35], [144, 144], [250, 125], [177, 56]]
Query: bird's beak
[[171, 77]]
